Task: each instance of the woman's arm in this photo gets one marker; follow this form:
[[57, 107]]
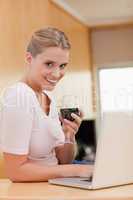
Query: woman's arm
[[20, 169], [66, 153]]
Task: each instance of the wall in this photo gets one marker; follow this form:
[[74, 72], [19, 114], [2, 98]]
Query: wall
[[19, 18], [112, 45]]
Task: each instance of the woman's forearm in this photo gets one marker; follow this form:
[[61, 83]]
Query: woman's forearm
[[66, 153], [32, 172]]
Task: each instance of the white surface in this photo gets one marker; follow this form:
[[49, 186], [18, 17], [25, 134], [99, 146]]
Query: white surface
[[116, 89], [114, 160]]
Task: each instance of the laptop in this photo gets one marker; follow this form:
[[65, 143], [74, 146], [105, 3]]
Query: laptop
[[114, 155]]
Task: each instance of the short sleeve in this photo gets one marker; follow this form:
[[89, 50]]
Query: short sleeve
[[15, 127]]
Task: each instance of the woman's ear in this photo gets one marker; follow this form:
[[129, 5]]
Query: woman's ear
[[28, 58]]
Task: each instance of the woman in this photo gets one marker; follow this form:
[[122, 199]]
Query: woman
[[35, 145]]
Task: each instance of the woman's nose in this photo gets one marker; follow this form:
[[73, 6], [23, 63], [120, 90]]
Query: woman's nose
[[56, 73]]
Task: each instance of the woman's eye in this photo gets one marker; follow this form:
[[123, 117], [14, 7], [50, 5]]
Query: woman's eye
[[49, 64], [62, 66]]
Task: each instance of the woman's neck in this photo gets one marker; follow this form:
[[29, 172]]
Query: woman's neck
[[43, 99], [32, 84]]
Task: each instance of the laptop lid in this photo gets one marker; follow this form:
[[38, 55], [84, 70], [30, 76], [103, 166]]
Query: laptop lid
[[114, 159]]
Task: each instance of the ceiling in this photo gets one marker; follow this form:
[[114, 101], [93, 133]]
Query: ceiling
[[99, 12]]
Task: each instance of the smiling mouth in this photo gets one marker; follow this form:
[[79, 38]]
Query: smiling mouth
[[53, 82]]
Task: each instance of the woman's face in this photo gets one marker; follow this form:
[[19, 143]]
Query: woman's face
[[48, 67]]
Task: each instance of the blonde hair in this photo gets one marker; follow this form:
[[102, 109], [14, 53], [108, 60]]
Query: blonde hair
[[47, 37]]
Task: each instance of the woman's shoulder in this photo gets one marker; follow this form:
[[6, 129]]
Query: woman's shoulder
[[17, 92]]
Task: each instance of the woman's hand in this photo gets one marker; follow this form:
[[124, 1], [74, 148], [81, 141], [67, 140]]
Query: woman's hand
[[70, 128], [84, 170]]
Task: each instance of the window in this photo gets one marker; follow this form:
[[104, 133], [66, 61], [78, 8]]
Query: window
[[115, 89]]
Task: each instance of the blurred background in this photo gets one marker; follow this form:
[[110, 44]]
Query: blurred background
[[101, 35]]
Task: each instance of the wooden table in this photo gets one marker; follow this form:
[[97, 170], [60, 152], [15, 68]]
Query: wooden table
[[45, 191]]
